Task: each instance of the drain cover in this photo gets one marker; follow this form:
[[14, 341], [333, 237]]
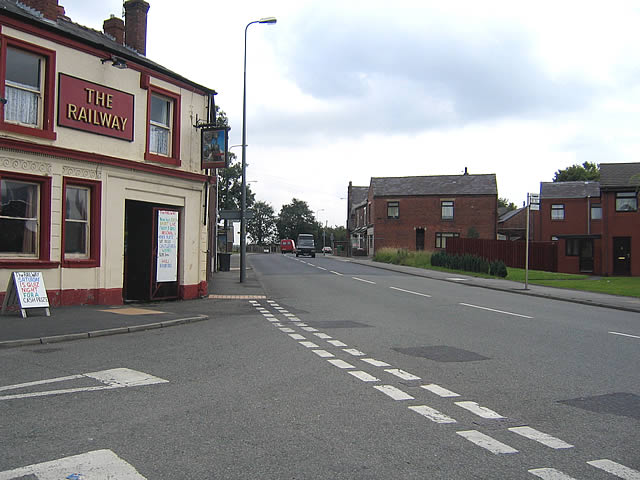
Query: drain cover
[[442, 353], [338, 324], [621, 404]]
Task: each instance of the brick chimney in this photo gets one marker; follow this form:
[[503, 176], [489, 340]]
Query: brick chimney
[[114, 26], [135, 25], [48, 8]]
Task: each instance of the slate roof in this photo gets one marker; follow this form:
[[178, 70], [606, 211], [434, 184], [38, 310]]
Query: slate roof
[[88, 36], [435, 185], [614, 175], [578, 189], [359, 195], [510, 214]]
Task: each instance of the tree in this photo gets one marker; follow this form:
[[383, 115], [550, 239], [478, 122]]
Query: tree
[[262, 227], [230, 186], [505, 203], [586, 172], [295, 218]]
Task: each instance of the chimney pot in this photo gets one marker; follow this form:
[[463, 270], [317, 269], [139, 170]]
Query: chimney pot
[[135, 24]]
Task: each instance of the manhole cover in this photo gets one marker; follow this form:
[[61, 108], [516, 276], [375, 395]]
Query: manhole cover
[[442, 353], [338, 324], [621, 404]]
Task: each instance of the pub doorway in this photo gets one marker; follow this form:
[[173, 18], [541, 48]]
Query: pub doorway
[[151, 252]]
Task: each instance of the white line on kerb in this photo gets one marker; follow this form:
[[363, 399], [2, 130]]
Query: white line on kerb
[[363, 280], [550, 474], [336, 273], [494, 310], [431, 414], [485, 441], [540, 437], [483, 412], [409, 291], [624, 334], [616, 469]]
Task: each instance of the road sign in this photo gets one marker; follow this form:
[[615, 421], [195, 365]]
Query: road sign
[[534, 201], [235, 214]]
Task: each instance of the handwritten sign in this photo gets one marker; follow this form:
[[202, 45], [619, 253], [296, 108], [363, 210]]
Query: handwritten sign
[[27, 290], [167, 263]]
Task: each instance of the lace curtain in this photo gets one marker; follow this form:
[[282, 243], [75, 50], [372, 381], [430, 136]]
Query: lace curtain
[[22, 106]]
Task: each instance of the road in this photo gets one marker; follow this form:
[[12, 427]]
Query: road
[[343, 371]]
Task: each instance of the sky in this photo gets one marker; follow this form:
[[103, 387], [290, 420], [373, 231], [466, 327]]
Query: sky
[[341, 91]]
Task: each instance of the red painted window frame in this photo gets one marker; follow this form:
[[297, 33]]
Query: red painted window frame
[[95, 189], [44, 246], [48, 100], [174, 157]]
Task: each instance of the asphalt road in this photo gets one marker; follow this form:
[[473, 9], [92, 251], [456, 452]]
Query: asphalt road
[[326, 379]]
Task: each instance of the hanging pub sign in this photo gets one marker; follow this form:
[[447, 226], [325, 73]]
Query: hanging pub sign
[[94, 108], [214, 147]]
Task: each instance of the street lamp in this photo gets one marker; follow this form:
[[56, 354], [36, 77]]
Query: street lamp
[[243, 208]]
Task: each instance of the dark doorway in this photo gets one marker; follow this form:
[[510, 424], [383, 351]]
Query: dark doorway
[[141, 249], [586, 255], [622, 255], [419, 238]]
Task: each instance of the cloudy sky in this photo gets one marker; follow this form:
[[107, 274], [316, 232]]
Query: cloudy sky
[[341, 91]]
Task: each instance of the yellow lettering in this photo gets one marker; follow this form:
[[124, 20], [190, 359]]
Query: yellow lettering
[[72, 111], [90, 92], [109, 101], [96, 118], [100, 98], [82, 116], [116, 123], [124, 123], [105, 119]]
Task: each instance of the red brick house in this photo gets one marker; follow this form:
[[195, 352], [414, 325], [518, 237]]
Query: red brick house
[[357, 218], [597, 224], [420, 213]]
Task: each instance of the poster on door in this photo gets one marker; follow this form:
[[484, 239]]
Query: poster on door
[[167, 263]]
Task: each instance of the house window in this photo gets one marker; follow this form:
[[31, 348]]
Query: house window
[[596, 211], [81, 229], [24, 219], [28, 79], [393, 209], [441, 238], [163, 128], [557, 211], [626, 201], [447, 209], [572, 247]]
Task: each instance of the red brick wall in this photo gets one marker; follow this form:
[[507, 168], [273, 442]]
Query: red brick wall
[[479, 212], [619, 224]]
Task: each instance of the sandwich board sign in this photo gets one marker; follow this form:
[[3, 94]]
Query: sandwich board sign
[[27, 290]]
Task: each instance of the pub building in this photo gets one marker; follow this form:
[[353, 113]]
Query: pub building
[[101, 183]]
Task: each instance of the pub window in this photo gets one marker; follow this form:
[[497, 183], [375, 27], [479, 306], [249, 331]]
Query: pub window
[[393, 209], [626, 201], [28, 78], [163, 127], [447, 209], [19, 218], [596, 211], [441, 238], [557, 211], [572, 247], [81, 228]]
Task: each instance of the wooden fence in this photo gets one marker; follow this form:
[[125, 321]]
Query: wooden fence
[[542, 255]]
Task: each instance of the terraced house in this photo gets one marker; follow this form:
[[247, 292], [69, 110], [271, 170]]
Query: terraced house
[[101, 185]]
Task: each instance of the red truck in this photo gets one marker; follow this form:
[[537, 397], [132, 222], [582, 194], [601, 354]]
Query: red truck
[[287, 246]]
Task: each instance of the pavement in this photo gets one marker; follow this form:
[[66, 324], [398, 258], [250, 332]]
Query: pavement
[[88, 321]]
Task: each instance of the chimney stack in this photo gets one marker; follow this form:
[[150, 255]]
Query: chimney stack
[[135, 24], [48, 8], [114, 26]]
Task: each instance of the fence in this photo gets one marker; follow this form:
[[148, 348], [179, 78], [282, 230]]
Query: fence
[[542, 255]]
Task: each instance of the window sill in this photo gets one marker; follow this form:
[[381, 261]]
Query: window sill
[[85, 263], [152, 157], [33, 132], [28, 264]]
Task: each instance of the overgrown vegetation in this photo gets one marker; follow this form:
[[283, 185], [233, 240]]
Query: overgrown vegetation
[[469, 263]]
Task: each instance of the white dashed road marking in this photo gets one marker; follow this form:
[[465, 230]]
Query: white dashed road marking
[[485, 441], [309, 329], [550, 474], [337, 343], [340, 363], [324, 336], [393, 392], [494, 310], [624, 334], [409, 291], [483, 412], [354, 352], [309, 344], [375, 363], [432, 414], [363, 280], [287, 330], [438, 390], [540, 437], [336, 273], [616, 469], [297, 336], [364, 376], [402, 374], [323, 353]]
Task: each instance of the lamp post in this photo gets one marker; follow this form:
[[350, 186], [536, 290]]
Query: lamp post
[[243, 208]]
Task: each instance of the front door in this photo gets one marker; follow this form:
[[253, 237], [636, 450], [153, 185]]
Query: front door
[[586, 255], [419, 239], [622, 255]]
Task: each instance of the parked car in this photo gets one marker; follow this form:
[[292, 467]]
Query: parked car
[[287, 245], [306, 245], [327, 250]]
